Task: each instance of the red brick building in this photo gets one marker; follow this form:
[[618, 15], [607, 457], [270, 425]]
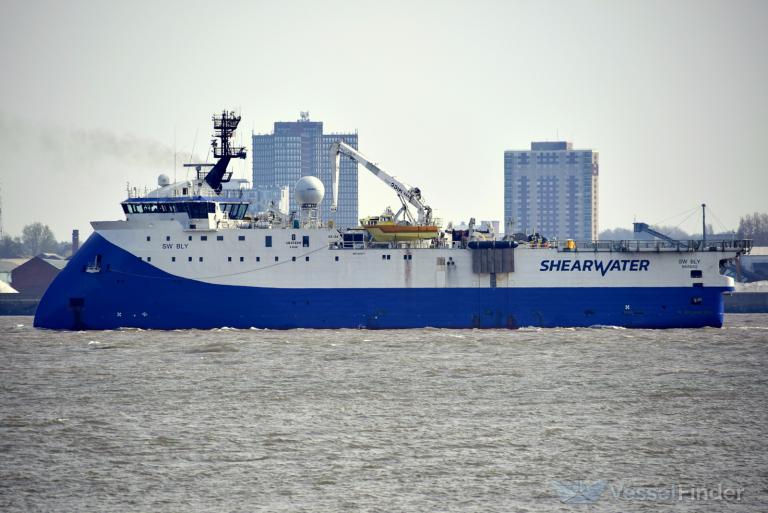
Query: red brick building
[[33, 277]]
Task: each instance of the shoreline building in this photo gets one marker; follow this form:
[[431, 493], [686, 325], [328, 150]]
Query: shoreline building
[[551, 189], [301, 148]]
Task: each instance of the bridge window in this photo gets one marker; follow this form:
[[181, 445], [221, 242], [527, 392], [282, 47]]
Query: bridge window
[[219, 237], [234, 210], [156, 208], [195, 210], [203, 237]]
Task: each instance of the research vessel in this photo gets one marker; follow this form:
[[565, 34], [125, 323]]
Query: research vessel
[[186, 256]]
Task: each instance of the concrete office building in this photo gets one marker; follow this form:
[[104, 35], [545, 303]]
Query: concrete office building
[[551, 189], [300, 148]]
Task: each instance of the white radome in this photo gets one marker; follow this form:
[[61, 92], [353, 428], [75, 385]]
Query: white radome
[[163, 180], [309, 191]]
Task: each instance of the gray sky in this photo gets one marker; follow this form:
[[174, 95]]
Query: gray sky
[[672, 94]]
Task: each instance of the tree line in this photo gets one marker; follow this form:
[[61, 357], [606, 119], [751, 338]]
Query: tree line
[[35, 238], [755, 227]]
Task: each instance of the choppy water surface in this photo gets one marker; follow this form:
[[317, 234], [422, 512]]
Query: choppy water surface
[[418, 420]]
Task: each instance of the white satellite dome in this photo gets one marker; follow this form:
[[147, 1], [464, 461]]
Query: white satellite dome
[[309, 191], [163, 180]]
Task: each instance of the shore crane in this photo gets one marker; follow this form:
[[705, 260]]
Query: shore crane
[[405, 193]]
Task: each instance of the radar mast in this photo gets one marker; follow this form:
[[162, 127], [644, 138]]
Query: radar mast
[[224, 127]]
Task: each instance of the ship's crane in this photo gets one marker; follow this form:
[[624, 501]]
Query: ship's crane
[[405, 193]]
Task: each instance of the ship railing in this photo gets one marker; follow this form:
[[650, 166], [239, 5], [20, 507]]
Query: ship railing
[[603, 246], [623, 246]]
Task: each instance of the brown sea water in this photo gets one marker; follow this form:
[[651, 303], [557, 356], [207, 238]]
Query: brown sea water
[[412, 420]]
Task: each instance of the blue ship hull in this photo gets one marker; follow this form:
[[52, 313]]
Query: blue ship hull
[[131, 293]]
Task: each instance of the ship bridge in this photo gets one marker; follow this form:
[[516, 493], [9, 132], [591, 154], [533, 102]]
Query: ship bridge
[[196, 207]]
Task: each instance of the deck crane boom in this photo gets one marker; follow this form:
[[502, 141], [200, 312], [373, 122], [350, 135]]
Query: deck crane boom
[[405, 193]]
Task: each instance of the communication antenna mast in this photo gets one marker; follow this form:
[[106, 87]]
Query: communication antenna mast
[[174, 154], [1, 212], [224, 128]]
